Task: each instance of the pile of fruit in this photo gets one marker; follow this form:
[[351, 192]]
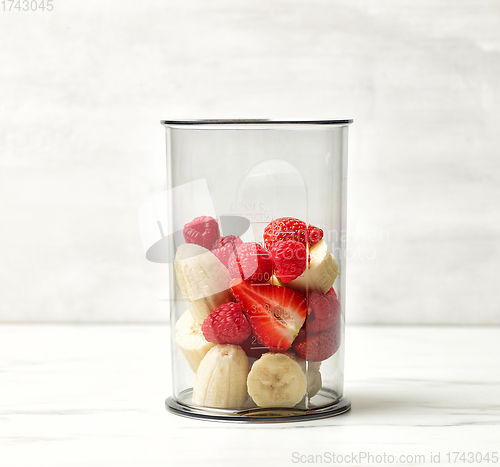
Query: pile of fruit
[[257, 314]]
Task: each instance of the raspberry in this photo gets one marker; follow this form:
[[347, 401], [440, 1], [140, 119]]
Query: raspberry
[[225, 246], [203, 231], [251, 262], [289, 259], [289, 228], [323, 311], [226, 325]]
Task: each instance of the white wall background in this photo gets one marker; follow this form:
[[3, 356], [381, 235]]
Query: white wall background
[[82, 90]]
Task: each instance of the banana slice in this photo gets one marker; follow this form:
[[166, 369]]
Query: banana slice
[[314, 381], [190, 339], [221, 378], [203, 280], [276, 380], [321, 273]]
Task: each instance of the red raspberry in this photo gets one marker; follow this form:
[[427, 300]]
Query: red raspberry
[[225, 246], [203, 231], [318, 346], [289, 259], [323, 311], [251, 262], [226, 325], [289, 228]]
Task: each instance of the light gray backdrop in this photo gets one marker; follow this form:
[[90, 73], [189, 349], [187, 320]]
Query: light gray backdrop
[[83, 87]]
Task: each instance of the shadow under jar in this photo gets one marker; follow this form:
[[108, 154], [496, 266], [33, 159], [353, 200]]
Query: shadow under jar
[[256, 246]]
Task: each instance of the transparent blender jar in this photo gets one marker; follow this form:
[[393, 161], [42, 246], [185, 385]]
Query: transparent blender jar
[[254, 233]]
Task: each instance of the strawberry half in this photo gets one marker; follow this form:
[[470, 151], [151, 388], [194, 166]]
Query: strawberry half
[[275, 314], [323, 311], [318, 346], [289, 228]]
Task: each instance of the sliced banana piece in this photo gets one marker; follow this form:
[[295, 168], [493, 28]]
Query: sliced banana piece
[[314, 381], [189, 337], [311, 370], [221, 378], [321, 273], [203, 280], [276, 380]]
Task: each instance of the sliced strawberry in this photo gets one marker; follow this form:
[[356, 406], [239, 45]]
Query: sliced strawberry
[[289, 228], [203, 231], [289, 259], [275, 314], [323, 311], [317, 346]]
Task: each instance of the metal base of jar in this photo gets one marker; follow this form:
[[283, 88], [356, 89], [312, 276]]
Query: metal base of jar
[[261, 415]]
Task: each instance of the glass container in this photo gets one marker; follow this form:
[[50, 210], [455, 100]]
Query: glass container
[[253, 229]]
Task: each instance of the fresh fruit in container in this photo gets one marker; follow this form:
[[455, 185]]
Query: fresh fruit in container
[[202, 279], [254, 348], [320, 274], [320, 337], [276, 380], [226, 325], [251, 261], [225, 246], [275, 314], [290, 228], [203, 231], [221, 378], [323, 311], [189, 337], [289, 259], [311, 370], [317, 346]]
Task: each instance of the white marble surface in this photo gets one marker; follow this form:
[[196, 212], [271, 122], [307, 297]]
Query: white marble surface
[[92, 396], [83, 88]]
